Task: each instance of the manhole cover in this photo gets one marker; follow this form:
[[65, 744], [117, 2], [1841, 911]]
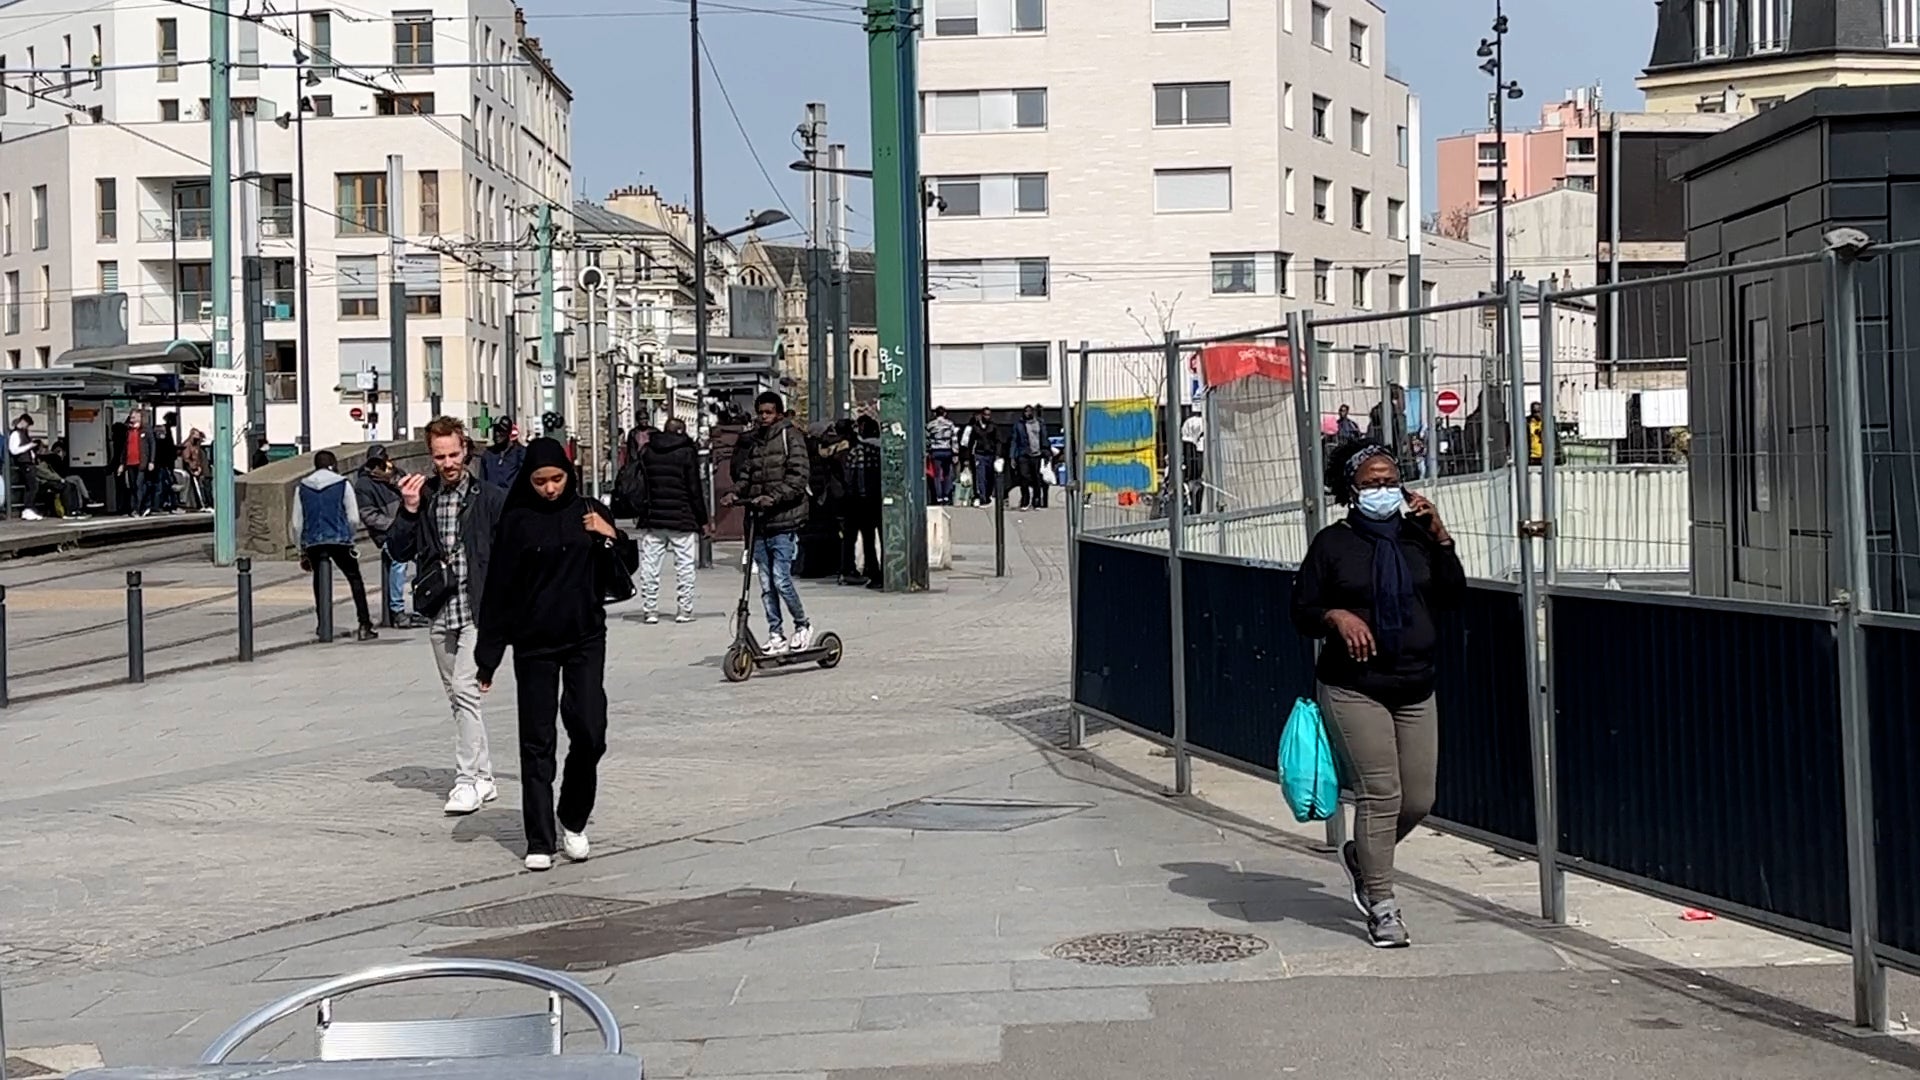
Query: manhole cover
[[962, 815], [1180, 946], [534, 911]]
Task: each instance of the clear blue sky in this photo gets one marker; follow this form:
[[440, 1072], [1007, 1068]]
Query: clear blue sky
[[627, 61]]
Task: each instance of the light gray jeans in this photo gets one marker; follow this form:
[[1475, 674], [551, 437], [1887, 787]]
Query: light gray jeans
[[654, 544], [453, 653], [1388, 758]]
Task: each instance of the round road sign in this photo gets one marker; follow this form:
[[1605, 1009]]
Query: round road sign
[[357, 413], [1447, 401]]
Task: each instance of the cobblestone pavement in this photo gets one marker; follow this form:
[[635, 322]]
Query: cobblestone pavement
[[148, 820]]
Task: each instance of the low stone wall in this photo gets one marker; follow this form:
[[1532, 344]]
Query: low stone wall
[[265, 495]]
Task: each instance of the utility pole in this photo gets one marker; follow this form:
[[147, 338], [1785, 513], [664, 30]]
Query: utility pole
[[842, 280], [701, 429], [893, 89], [812, 133], [549, 348], [301, 268], [397, 295], [252, 296], [220, 170]]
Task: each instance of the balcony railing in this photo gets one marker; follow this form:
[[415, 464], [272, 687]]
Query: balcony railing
[[277, 305], [190, 223], [282, 385], [194, 306], [277, 221]]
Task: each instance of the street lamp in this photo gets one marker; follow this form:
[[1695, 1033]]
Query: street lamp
[[1493, 52], [303, 78], [763, 220]]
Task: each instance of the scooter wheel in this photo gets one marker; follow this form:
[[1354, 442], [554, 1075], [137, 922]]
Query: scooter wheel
[[738, 664], [834, 648]]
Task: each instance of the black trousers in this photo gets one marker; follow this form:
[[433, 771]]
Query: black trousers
[[860, 525], [572, 684], [341, 556]]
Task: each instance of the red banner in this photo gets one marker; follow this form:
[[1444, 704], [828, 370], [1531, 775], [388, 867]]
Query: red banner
[[1230, 361]]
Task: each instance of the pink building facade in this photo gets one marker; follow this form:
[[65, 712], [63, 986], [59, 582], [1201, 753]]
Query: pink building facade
[[1564, 151]]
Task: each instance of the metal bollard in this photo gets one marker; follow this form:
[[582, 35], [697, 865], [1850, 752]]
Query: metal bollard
[[244, 598], [323, 598], [6, 697], [136, 630], [1000, 517]]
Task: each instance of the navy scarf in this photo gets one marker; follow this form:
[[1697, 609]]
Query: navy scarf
[[1392, 580]]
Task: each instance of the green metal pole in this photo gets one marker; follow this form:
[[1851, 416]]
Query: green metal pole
[[549, 348], [897, 255], [220, 168]]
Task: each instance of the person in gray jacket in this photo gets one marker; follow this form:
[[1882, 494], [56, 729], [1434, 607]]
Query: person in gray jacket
[[445, 526], [376, 487]]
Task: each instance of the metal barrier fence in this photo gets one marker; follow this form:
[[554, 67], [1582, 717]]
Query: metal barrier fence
[[1693, 680]]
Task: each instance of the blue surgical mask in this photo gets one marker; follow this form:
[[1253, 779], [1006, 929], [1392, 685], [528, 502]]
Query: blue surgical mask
[[1381, 503]]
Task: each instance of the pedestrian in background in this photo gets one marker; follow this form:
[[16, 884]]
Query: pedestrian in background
[[376, 487], [543, 598], [863, 502], [446, 526], [500, 462], [942, 441], [193, 461], [983, 441], [135, 452], [1029, 457], [672, 513], [322, 523], [1368, 588]]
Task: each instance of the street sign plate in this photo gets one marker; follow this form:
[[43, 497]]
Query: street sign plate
[[223, 382], [1447, 401], [549, 379]]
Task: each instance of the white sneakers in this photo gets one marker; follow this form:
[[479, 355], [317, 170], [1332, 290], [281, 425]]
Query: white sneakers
[[466, 797], [802, 639], [30, 514], [539, 862], [574, 844], [683, 617], [776, 645]]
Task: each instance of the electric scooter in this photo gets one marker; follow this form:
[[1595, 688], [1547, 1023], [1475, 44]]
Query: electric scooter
[[746, 655]]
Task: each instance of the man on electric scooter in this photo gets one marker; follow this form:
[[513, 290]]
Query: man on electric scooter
[[770, 474]]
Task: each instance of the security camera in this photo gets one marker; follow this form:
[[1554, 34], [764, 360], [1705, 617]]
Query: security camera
[[591, 277], [1849, 242]]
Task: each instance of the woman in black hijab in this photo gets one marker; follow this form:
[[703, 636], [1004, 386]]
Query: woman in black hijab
[[543, 598]]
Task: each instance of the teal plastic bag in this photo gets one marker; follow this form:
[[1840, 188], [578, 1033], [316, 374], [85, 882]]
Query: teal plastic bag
[[1308, 780]]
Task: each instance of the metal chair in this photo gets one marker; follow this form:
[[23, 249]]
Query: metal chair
[[527, 1034]]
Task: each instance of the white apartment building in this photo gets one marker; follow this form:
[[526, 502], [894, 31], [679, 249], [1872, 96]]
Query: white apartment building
[[104, 188], [1112, 171]]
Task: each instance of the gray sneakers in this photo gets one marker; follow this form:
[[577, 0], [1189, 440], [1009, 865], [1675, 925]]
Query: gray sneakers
[[1385, 928]]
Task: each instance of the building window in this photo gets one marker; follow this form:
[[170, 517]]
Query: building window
[[247, 47], [1581, 148], [413, 39], [358, 286], [972, 18], [1321, 107], [106, 208], [991, 365], [1036, 363], [1360, 131], [1396, 219], [169, 109], [321, 104], [970, 111], [436, 362], [403, 104], [6, 224], [32, 63], [1286, 105], [1233, 274], [39, 211], [1362, 210], [167, 45], [13, 301], [986, 280], [1030, 193], [361, 203], [5, 91], [43, 307], [1359, 43], [1186, 191], [1191, 104], [95, 62], [320, 36], [1033, 278], [1322, 196], [1491, 152], [429, 202], [1489, 192], [1396, 292], [1363, 288], [1903, 23], [1578, 183], [1005, 195], [956, 18], [420, 274], [1323, 27], [1767, 24], [1709, 29], [1283, 270], [1400, 144], [1322, 281], [1286, 189], [1189, 14], [1764, 104]]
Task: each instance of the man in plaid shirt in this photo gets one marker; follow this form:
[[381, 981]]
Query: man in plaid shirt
[[446, 526]]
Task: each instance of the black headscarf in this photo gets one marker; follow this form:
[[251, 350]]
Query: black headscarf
[[1392, 576], [544, 453]]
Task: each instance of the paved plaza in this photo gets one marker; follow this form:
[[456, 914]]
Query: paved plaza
[[889, 870]]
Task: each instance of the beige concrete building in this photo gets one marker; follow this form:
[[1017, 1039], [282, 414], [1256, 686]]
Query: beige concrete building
[[1746, 56]]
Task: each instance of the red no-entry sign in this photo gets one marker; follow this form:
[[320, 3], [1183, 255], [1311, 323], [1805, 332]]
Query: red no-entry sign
[[1447, 401], [357, 413]]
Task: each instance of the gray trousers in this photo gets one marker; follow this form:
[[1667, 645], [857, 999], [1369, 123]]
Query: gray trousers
[[1388, 759], [460, 674]]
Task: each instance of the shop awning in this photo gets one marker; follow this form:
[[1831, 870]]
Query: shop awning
[[178, 351], [85, 381]]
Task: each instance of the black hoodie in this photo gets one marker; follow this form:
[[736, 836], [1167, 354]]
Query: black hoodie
[[543, 592], [670, 465]]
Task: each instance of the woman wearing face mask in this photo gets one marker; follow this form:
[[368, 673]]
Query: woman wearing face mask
[[543, 598], [1368, 588]]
